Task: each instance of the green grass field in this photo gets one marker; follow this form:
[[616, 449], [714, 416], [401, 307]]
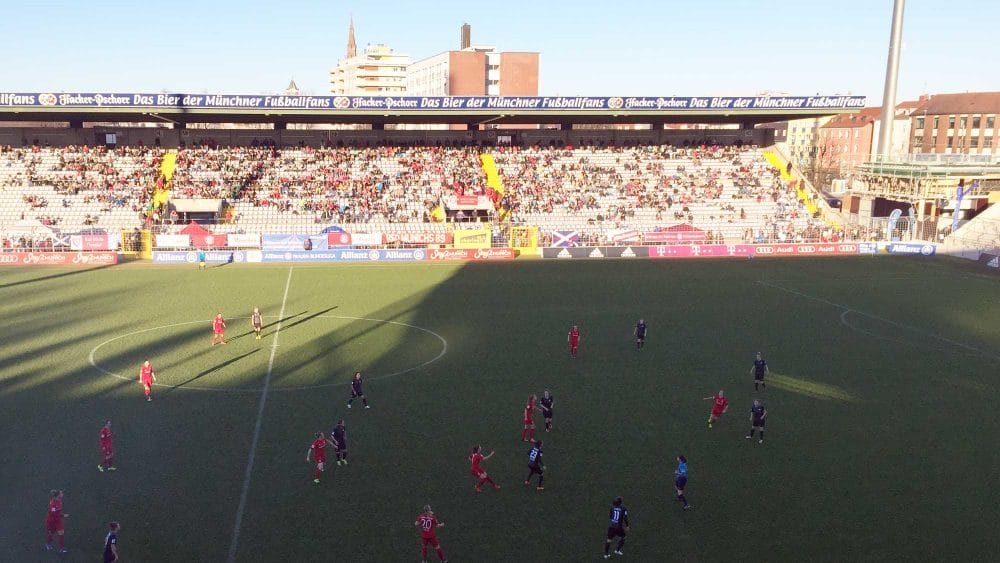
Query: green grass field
[[881, 442]]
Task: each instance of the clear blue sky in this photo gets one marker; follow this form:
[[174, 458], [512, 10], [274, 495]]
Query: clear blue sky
[[588, 47]]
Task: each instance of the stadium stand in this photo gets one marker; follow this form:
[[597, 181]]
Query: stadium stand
[[732, 193]]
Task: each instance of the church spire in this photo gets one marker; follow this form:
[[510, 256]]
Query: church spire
[[352, 45]]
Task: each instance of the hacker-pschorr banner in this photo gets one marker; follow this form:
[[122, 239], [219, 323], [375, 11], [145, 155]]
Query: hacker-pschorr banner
[[597, 252], [244, 102]]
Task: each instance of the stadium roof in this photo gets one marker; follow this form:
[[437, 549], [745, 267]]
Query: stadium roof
[[970, 102], [224, 108]]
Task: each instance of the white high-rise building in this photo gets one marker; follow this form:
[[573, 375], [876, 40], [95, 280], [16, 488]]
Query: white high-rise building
[[377, 71]]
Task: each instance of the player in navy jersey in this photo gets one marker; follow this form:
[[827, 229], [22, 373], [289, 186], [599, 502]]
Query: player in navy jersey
[[617, 527], [257, 322], [682, 479], [547, 401], [759, 370], [111, 543], [757, 415], [339, 438], [640, 334], [536, 465], [356, 391]]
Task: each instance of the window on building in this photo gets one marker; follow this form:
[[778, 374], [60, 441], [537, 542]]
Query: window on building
[[934, 142], [918, 142], [857, 133], [920, 123], [951, 142], [855, 148], [988, 142], [975, 122], [961, 141], [990, 121], [974, 142], [951, 122], [962, 122], [936, 123]]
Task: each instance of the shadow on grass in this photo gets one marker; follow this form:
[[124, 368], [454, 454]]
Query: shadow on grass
[[213, 369], [56, 276]]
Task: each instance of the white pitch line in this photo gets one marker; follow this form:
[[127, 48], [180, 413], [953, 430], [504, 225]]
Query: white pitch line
[[256, 430], [883, 319]]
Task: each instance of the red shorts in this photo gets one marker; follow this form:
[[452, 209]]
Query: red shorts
[[54, 524], [429, 540], [320, 460], [108, 451], [219, 331], [528, 424], [716, 413], [478, 473], [147, 383]]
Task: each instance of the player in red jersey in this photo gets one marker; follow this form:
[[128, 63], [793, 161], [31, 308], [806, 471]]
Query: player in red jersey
[[574, 340], [528, 434], [106, 449], [317, 450], [54, 521], [147, 377], [477, 457], [427, 523], [719, 407], [218, 329]]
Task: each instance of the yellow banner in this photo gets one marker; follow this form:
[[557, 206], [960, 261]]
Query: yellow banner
[[492, 177], [437, 214], [473, 238], [168, 165], [524, 238]]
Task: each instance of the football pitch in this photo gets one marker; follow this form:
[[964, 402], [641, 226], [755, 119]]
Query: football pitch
[[881, 400]]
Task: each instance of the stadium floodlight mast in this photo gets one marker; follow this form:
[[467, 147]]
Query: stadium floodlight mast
[[891, 77]]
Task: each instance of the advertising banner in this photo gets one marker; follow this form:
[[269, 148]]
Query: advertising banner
[[367, 239], [173, 241], [472, 238], [867, 248], [191, 256], [285, 242], [418, 237], [405, 254], [674, 236], [81, 259], [244, 240], [626, 252], [209, 240], [624, 235], [338, 239], [700, 250], [299, 256], [341, 255], [990, 260], [471, 254], [333, 104], [93, 242], [820, 249], [575, 252], [913, 248]]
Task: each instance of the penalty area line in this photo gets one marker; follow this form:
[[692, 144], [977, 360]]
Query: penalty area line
[[846, 310], [256, 430]]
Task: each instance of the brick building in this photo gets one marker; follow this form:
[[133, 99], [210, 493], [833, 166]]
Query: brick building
[[846, 140], [957, 124]]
